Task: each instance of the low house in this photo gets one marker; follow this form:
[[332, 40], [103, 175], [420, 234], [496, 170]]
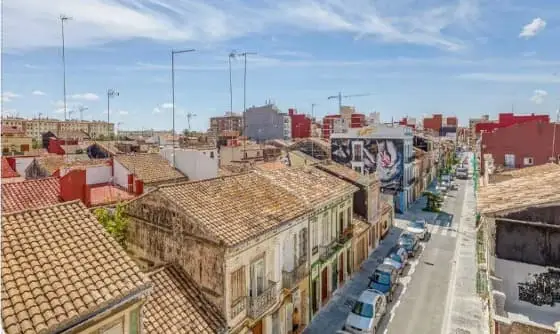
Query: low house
[[520, 222], [30, 194], [50, 165], [196, 162], [229, 243], [62, 272], [177, 305], [15, 141], [151, 168]]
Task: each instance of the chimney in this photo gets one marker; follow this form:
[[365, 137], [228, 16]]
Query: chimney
[[130, 183]]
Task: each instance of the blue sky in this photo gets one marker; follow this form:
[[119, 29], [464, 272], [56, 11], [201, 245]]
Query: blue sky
[[415, 58]]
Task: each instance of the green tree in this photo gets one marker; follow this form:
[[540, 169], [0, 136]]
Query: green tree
[[434, 201], [114, 222]]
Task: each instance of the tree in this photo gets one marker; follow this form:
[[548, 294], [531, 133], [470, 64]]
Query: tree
[[114, 222], [434, 201]]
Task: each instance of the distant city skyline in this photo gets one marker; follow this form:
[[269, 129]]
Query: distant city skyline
[[463, 58]]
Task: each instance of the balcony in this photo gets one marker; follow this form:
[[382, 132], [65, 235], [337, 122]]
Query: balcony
[[290, 279], [238, 307], [325, 252], [261, 303], [345, 236]]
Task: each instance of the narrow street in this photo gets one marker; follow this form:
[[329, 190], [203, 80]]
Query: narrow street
[[425, 294]]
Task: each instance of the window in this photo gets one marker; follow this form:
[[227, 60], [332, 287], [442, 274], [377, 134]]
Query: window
[[326, 228], [134, 323], [244, 155], [528, 161], [357, 151], [257, 277], [237, 284], [212, 155], [358, 169], [509, 160], [349, 217], [314, 235], [303, 244]]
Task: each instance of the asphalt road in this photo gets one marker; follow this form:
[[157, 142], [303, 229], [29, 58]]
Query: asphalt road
[[421, 305]]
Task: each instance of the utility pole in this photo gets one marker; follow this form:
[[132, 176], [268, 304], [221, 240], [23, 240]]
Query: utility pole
[[64, 18], [173, 53], [244, 55]]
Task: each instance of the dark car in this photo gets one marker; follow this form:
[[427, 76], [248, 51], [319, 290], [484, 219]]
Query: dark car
[[409, 242], [384, 279]]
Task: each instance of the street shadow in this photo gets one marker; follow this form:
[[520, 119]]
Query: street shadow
[[444, 219]]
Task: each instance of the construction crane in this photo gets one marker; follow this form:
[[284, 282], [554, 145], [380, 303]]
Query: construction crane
[[340, 97], [189, 117], [81, 109]]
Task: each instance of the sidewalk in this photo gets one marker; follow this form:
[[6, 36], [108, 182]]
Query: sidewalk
[[332, 317], [466, 313]]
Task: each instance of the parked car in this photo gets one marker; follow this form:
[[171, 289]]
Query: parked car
[[419, 228], [384, 279], [462, 173], [367, 312], [409, 242], [397, 258]]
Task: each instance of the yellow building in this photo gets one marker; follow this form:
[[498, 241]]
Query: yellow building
[[36, 127], [15, 140]]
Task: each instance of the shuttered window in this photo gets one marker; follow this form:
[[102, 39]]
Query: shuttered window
[[238, 285]]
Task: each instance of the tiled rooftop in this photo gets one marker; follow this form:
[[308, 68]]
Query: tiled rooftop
[[150, 167], [7, 170], [108, 194], [345, 172], [235, 208], [51, 163], [30, 194], [176, 305], [311, 185], [273, 165], [59, 266], [535, 188]]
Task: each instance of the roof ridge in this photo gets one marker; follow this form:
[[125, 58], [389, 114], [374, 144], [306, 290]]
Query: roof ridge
[[169, 185], [34, 180], [44, 207]]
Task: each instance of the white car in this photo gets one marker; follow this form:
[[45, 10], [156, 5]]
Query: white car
[[366, 313], [419, 228]]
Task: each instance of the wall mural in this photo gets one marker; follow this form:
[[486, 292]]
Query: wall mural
[[541, 289], [382, 156]]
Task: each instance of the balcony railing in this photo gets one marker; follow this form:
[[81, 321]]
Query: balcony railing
[[261, 303], [290, 279], [327, 251], [238, 307], [345, 236]]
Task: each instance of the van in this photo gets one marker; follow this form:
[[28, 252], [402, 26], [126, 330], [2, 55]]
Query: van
[[384, 279]]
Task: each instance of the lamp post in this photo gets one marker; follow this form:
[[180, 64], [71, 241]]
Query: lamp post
[[111, 92], [244, 55], [64, 18], [173, 53]]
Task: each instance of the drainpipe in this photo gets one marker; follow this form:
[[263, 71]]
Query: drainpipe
[[309, 294]]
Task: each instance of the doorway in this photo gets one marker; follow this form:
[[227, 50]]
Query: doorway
[[324, 285], [314, 295], [258, 328], [341, 271]]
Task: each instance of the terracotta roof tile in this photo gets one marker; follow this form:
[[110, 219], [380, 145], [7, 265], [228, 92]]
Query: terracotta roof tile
[[537, 187], [236, 208], [51, 163], [311, 185], [30, 194], [7, 170], [59, 265], [176, 305], [347, 173], [150, 167]]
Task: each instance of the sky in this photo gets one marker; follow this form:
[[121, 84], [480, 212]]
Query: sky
[[407, 57]]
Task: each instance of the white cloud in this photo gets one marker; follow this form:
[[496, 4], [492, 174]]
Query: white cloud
[[538, 96], [157, 110], [34, 24], [533, 28], [163, 108], [529, 54], [9, 96], [511, 77], [39, 93], [84, 96], [123, 112], [167, 105]]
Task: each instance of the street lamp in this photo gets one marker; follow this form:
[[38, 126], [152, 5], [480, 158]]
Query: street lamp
[[64, 18], [244, 55], [173, 53], [111, 92]]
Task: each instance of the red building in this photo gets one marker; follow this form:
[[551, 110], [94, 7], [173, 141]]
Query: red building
[[301, 124], [356, 121], [451, 121], [433, 123], [507, 119], [522, 145], [408, 122]]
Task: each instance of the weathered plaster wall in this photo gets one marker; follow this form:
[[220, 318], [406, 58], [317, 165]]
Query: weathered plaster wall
[[548, 215], [160, 232]]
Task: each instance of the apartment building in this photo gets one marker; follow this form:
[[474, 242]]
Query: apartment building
[[267, 122], [36, 127], [231, 121]]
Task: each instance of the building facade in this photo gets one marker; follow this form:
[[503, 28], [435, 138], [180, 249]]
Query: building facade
[[385, 150], [229, 122], [265, 123], [347, 119], [508, 119], [15, 140], [36, 127], [301, 124]]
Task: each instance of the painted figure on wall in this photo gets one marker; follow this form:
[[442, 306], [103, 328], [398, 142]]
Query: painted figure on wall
[[381, 156]]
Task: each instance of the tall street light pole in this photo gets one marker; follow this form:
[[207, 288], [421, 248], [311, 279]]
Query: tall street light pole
[[64, 18], [173, 53]]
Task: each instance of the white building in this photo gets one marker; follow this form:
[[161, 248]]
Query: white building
[[196, 164]]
